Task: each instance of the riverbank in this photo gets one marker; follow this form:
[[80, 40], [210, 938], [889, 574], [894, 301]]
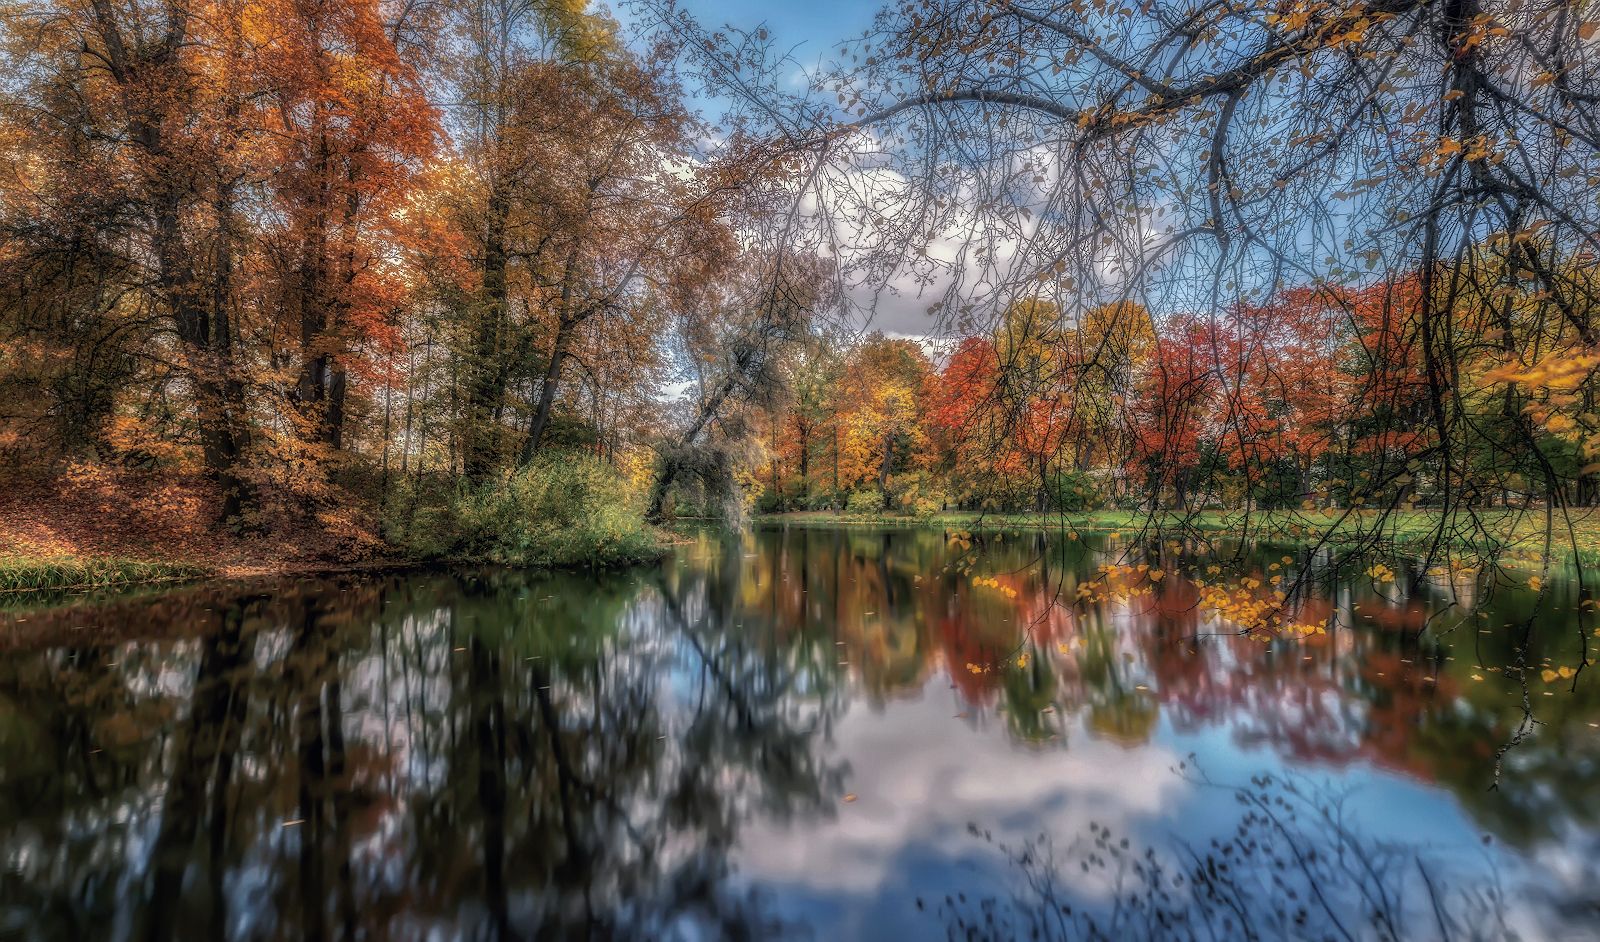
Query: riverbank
[[24, 576], [1515, 530], [94, 529]]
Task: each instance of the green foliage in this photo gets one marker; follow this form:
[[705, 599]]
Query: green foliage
[[770, 502], [1074, 491], [864, 502], [917, 493], [563, 509], [824, 500]]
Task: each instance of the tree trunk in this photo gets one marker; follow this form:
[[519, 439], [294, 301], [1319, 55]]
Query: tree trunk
[[201, 322], [804, 428], [836, 464], [480, 434], [883, 469], [566, 326], [547, 389]]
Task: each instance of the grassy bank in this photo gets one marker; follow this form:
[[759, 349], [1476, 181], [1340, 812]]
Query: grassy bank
[[95, 529], [29, 574], [1523, 530]]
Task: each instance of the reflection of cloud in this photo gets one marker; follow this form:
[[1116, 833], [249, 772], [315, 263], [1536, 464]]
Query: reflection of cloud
[[911, 795]]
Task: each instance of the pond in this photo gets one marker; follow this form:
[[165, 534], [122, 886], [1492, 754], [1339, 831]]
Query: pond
[[814, 733]]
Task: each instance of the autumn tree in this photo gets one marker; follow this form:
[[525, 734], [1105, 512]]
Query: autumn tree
[[881, 413], [737, 346], [139, 96], [490, 47], [1200, 155], [1172, 408], [349, 128]]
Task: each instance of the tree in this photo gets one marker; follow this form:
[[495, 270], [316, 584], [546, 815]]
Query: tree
[[349, 127], [128, 88], [607, 225], [1172, 408], [880, 405], [736, 343]]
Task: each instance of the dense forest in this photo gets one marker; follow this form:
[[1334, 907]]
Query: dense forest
[[1314, 400], [404, 275], [514, 281]]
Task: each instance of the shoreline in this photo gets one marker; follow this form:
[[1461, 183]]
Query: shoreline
[[24, 578], [1517, 530]]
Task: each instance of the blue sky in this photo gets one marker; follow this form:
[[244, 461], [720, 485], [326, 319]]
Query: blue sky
[[810, 32], [814, 23]]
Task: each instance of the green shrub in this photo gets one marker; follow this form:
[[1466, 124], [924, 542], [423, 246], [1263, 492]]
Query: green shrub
[[824, 500], [917, 494], [864, 502], [564, 509], [1074, 491], [770, 502]]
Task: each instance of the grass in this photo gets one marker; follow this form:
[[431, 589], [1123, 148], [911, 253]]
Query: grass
[[26, 574], [1520, 529]]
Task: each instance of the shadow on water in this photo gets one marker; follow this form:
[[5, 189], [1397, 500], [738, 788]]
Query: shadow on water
[[677, 752]]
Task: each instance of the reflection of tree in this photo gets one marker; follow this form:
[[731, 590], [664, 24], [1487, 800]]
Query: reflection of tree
[[500, 755], [1115, 712], [206, 752], [110, 793], [1030, 690], [1371, 691], [588, 789]]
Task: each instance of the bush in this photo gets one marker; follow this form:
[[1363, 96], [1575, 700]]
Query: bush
[[915, 493], [770, 502], [564, 509], [824, 500], [1074, 491], [864, 503]]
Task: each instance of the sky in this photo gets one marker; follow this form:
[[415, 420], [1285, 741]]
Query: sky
[[813, 25], [811, 31]]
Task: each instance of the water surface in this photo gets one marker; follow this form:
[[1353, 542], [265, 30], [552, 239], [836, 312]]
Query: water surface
[[799, 732]]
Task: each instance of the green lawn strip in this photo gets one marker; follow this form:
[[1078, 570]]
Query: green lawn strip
[[1523, 531], [23, 574]]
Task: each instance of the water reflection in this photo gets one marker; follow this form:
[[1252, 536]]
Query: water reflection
[[772, 733], [1293, 867]]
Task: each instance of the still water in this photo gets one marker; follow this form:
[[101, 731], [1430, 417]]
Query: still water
[[797, 732]]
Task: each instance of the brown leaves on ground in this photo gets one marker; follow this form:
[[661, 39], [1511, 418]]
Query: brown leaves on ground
[[92, 510]]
